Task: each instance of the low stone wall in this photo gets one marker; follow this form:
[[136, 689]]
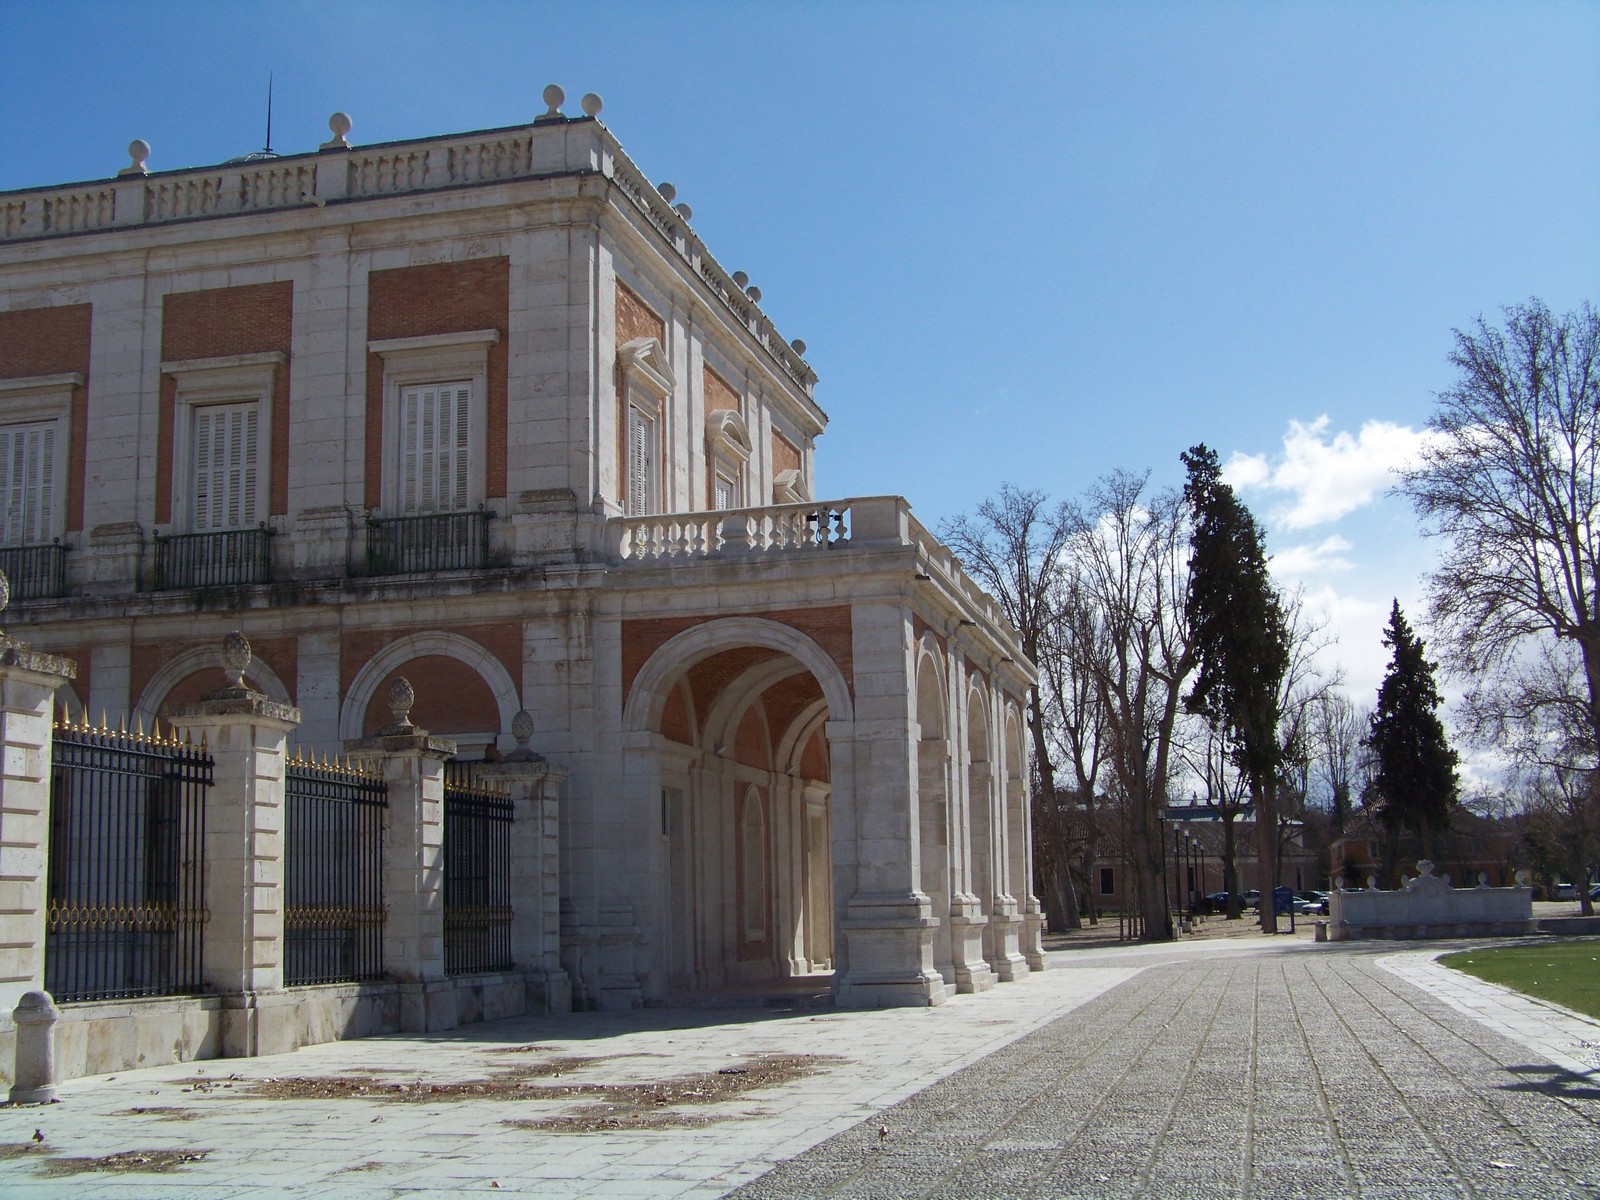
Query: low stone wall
[[123, 1035], [1428, 907]]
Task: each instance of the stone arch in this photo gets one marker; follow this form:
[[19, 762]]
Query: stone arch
[[363, 688], [980, 781], [937, 832], [203, 658], [648, 695], [1015, 805], [727, 710]]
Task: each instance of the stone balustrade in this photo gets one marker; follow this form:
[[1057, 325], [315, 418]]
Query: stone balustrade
[[1428, 907], [335, 174]]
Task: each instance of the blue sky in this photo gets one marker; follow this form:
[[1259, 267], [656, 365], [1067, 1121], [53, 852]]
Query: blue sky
[[1024, 242]]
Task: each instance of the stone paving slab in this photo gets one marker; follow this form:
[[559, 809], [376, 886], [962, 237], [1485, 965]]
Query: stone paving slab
[[365, 1147], [1250, 1067], [1311, 1074]]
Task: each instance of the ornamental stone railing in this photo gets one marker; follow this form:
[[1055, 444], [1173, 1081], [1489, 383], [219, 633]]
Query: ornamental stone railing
[[863, 522], [553, 145], [1428, 907]]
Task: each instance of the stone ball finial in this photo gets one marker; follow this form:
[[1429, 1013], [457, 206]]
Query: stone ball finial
[[1523, 877], [754, 293], [1372, 883], [684, 211], [592, 104], [553, 98], [139, 152], [1424, 866], [799, 347], [339, 124], [401, 697], [740, 279], [668, 192], [522, 728], [236, 656]]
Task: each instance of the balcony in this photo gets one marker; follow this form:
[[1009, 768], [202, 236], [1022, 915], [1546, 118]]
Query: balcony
[[200, 560], [456, 541], [35, 572]]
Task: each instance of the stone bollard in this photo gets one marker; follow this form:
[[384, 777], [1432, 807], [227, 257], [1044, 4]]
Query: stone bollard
[[1321, 930], [35, 1073]]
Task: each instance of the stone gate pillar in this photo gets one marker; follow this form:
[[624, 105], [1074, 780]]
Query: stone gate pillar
[[28, 682], [534, 785], [245, 733], [411, 762]]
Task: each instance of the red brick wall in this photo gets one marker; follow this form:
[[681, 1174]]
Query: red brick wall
[[214, 323], [54, 341], [451, 698], [357, 647], [146, 658], [635, 320], [719, 394], [829, 627], [440, 298]]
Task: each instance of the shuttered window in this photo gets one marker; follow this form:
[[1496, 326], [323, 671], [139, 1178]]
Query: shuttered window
[[435, 448], [641, 463], [28, 483], [226, 446], [722, 495]]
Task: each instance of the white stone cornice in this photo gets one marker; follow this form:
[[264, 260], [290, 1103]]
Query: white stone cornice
[[227, 362], [434, 341], [41, 383]]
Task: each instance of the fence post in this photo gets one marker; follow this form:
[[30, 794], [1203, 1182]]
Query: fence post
[[412, 763], [245, 733], [534, 785], [28, 683]]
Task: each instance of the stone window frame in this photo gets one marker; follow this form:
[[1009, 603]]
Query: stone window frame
[[206, 382], [46, 400], [728, 458], [647, 385], [437, 358]]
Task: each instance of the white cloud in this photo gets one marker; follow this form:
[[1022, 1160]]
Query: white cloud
[[1327, 476], [1296, 562]]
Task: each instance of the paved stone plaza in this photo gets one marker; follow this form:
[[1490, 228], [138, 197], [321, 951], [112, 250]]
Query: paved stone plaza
[[1248, 1067]]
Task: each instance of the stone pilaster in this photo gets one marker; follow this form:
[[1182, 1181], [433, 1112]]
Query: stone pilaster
[[246, 734], [411, 762]]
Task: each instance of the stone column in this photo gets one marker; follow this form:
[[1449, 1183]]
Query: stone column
[[534, 785], [245, 734], [885, 930], [28, 682], [412, 763]]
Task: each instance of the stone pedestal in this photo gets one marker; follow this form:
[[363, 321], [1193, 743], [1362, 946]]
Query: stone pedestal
[[534, 786], [28, 682], [412, 764], [246, 734]]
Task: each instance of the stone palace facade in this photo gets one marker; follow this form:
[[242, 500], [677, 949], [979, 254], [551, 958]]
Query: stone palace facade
[[482, 412]]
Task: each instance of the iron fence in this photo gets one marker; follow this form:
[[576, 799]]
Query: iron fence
[[477, 874], [333, 905], [126, 909], [36, 572], [454, 541], [226, 558]]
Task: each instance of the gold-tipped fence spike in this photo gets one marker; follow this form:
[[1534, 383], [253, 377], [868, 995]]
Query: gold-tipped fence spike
[[138, 726], [103, 728]]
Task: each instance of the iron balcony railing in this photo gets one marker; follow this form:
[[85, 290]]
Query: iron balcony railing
[[36, 572], [454, 541], [226, 558], [126, 905], [477, 875], [332, 874]]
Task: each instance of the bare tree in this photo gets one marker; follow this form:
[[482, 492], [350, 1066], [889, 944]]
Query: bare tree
[[1510, 482], [1014, 547], [1337, 726], [1129, 562]]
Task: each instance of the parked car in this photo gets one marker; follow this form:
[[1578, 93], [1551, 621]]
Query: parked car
[[1318, 900], [1309, 908], [1251, 898], [1594, 892], [1217, 902], [1563, 891]]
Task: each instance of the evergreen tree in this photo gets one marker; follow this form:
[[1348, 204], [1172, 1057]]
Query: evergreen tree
[[1414, 770], [1240, 639]]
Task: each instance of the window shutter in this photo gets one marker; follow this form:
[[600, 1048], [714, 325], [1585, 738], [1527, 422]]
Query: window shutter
[[640, 467], [435, 448], [27, 483], [724, 493], [226, 441]]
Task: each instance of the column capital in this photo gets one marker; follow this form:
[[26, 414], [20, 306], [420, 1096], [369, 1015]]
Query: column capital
[[417, 743], [236, 706]]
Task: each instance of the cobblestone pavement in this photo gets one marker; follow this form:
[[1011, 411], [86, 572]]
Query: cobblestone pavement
[[1252, 1067], [1296, 1075]]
